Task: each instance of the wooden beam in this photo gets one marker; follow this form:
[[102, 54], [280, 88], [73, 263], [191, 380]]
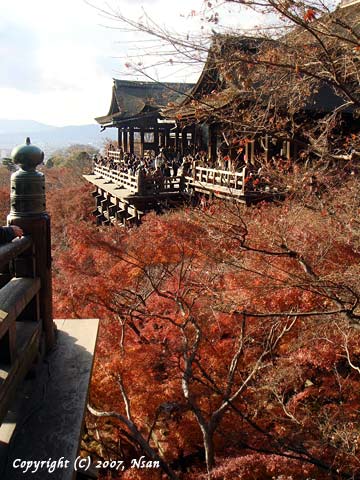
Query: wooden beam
[[177, 139], [167, 138], [156, 139], [212, 147], [119, 137], [125, 138], [142, 140], [131, 135]]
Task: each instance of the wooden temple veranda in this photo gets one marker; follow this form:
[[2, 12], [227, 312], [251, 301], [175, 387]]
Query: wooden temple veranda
[[206, 117], [123, 198], [137, 111]]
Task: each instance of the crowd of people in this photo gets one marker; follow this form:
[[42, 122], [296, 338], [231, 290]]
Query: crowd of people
[[168, 163]]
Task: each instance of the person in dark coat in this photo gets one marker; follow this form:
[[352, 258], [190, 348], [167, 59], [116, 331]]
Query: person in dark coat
[[7, 234], [175, 167]]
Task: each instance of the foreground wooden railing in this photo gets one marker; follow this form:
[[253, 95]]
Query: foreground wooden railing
[[36, 419], [25, 279], [20, 327]]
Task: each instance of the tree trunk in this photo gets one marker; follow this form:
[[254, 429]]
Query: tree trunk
[[208, 437]]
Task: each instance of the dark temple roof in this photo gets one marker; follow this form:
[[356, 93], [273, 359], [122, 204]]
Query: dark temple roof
[[222, 84], [135, 100], [345, 3], [213, 91]]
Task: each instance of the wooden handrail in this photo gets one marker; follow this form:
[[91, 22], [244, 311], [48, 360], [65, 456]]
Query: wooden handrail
[[20, 324], [226, 172], [231, 183], [209, 178], [11, 250], [120, 178], [27, 333], [149, 185], [114, 154], [14, 297]]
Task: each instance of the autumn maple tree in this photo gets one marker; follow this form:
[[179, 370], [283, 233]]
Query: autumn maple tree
[[228, 337]]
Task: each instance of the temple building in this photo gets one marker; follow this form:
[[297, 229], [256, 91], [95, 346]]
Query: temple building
[[135, 112], [208, 110], [246, 106]]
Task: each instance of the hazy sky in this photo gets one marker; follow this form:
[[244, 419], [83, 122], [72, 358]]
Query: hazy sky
[[58, 57]]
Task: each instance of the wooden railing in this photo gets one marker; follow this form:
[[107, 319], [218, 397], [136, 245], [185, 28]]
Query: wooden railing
[[114, 155], [20, 325], [219, 180], [25, 277], [35, 417], [125, 180], [209, 179], [141, 185]]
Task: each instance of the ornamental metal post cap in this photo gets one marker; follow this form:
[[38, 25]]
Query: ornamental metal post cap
[[27, 184], [27, 156]]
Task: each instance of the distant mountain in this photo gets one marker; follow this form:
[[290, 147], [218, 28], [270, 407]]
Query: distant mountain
[[50, 138], [18, 126]]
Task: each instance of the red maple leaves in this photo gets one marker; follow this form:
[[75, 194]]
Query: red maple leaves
[[310, 15]]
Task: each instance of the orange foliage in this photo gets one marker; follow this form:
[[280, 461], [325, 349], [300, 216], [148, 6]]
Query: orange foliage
[[309, 15], [158, 287]]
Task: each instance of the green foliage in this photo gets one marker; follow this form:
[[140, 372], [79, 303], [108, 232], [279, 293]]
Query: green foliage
[[78, 157], [49, 163], [8, 163]]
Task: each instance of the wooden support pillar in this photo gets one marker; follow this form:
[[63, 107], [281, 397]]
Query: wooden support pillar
[[197, 137], [156, 140], [252, 152], [184, 142], [177, 140], [212, 147], [131, 139], [125, 140], [119, 138], [295, 150], [167, 138], [142, 140]]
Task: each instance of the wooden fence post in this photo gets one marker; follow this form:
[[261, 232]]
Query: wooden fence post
[[28, 211]]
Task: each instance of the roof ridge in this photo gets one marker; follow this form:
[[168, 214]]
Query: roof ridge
[[348, 3]]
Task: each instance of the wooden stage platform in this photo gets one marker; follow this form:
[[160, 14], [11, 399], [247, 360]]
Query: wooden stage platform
[[122, 198]]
